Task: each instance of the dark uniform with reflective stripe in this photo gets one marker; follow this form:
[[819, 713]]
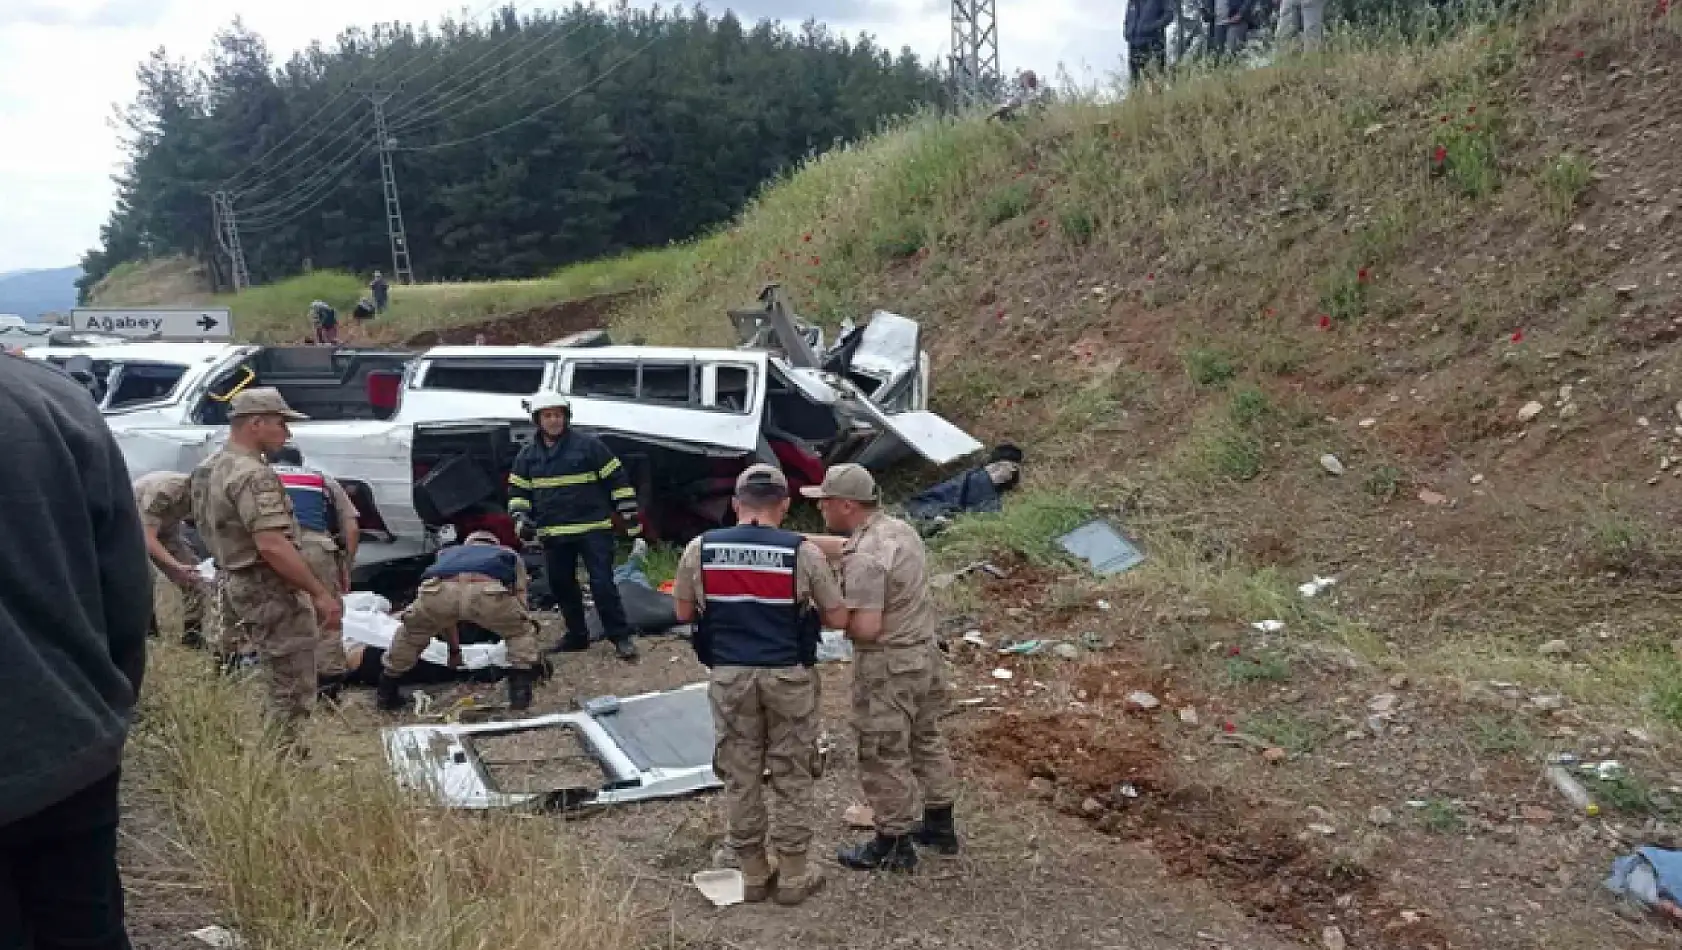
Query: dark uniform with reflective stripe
[[569, 489]]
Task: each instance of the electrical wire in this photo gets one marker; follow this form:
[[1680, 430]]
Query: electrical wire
[[485, 103], [308, 182], [272, 222], [535, 112], [513, 35], [228, 183], [464, 90]]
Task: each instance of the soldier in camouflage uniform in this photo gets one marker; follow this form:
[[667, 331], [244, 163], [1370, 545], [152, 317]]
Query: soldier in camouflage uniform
[[246, 519], [479, 582], [753, 586], [165, 505], [328, 538], [900, 682]]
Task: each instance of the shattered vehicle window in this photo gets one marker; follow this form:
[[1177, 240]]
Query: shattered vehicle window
[[735, 388], [670, 384], [134, 384]]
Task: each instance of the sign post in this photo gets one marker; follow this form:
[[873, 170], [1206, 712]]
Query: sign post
[[211, 324]]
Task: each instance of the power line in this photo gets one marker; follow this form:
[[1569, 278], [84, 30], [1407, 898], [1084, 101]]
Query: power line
[[275, 219], [228, 183], [482, 104], [309, 182], [535, 112], [399, 79], [463, 91]]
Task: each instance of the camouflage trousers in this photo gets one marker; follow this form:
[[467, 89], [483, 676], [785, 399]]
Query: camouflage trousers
[[191, 598], [441, 604], [766, 719], [900, 694], [322, 554], [280, 624]]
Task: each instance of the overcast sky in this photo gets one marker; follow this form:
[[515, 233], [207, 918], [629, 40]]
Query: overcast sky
[[65, 63]]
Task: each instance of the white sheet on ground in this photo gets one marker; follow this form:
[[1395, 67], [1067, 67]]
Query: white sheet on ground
[[367, 622]]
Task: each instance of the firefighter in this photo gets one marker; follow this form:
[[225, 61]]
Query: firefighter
[[563, 492]]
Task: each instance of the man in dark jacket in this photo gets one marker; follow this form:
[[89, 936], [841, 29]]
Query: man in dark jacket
[[563, 491], [1146, 32], [75, 602]]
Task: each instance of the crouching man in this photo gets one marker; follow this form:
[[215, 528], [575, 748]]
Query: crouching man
[[479, 582], [753, 587]]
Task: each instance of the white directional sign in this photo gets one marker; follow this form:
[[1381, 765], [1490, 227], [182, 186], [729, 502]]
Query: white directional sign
[[209, 323]]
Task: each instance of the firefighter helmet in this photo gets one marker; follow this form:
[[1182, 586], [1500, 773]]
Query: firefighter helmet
[[550, 400]]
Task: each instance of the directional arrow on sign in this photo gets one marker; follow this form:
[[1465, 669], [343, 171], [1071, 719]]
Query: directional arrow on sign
[[208, 323]]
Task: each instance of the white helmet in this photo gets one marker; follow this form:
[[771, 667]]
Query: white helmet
[[549, 399]]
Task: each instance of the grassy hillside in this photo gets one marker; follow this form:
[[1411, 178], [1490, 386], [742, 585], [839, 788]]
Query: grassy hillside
[[1178, 303]]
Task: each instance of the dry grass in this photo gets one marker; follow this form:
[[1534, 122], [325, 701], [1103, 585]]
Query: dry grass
[[331, 853]]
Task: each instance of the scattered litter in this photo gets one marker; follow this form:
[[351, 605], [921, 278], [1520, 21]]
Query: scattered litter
[[1573, 790], [1139, 699], [1091, 808], [1380, 816], [859, 816], [1418, 803], [219, 937], [1269, 626], [943, 581], [1331, 938], [1323, 829], [723, 887], [1315, 586], [1003, 674], [1066, 651], [974, 638], [1275, 755], [1331, 464], [835, 648], [1548, 703], [1477, 479], [1367, 423], [1384, 703], [1188, 716], [1399, 681], [1531, 410], [1127, 790], [1103, 605], [1608, 771], [1102, 546], [1651, 877], [1024, 648], [1554, 648], [1432, 498], [972, 701]]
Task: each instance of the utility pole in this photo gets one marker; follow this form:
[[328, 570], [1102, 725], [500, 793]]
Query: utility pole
[[401, 269], [227, 235], [975, 50]]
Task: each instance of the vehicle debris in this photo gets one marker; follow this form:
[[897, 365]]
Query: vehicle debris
[[724, 887], [1003, 674], [1316, 586], [1332, 464], [218, 937], [1572, 789], [655, 745], [1143, 701], [974, 638], [859, 817], [1269, 626], [1101, 545]]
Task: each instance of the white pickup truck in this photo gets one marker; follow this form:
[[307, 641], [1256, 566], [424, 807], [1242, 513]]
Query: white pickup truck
[[423, 441]]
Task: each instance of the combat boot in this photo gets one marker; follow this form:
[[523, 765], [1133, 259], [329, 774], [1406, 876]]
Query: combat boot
[[796, 879], [881, 853], [386, 696], [759, 879], [938, 832], [328, 688], [519, 690], [625, 649]]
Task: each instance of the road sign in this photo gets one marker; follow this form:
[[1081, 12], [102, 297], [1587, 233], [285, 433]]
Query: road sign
[[209, 323]]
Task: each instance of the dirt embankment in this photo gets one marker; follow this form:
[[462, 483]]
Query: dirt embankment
[[532, 327]]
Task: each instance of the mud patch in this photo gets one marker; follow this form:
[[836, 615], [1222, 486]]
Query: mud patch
[[1114, 773], [535, 761], [529, 327]]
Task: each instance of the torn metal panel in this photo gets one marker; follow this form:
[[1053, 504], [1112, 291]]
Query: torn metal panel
[[656, 745], [923, 432], [1101, 545]]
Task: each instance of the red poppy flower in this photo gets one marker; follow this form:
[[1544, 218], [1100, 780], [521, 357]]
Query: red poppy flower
[[1325, 322], [1228, 727], [815, 261], [1151, 275], [1270, 311], [1234, 650], [1518, 336], [1471, 110], [1042, 223], [807, 237], [1362, 275], [1443, 120], [1579, 54], [1440, 156]]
